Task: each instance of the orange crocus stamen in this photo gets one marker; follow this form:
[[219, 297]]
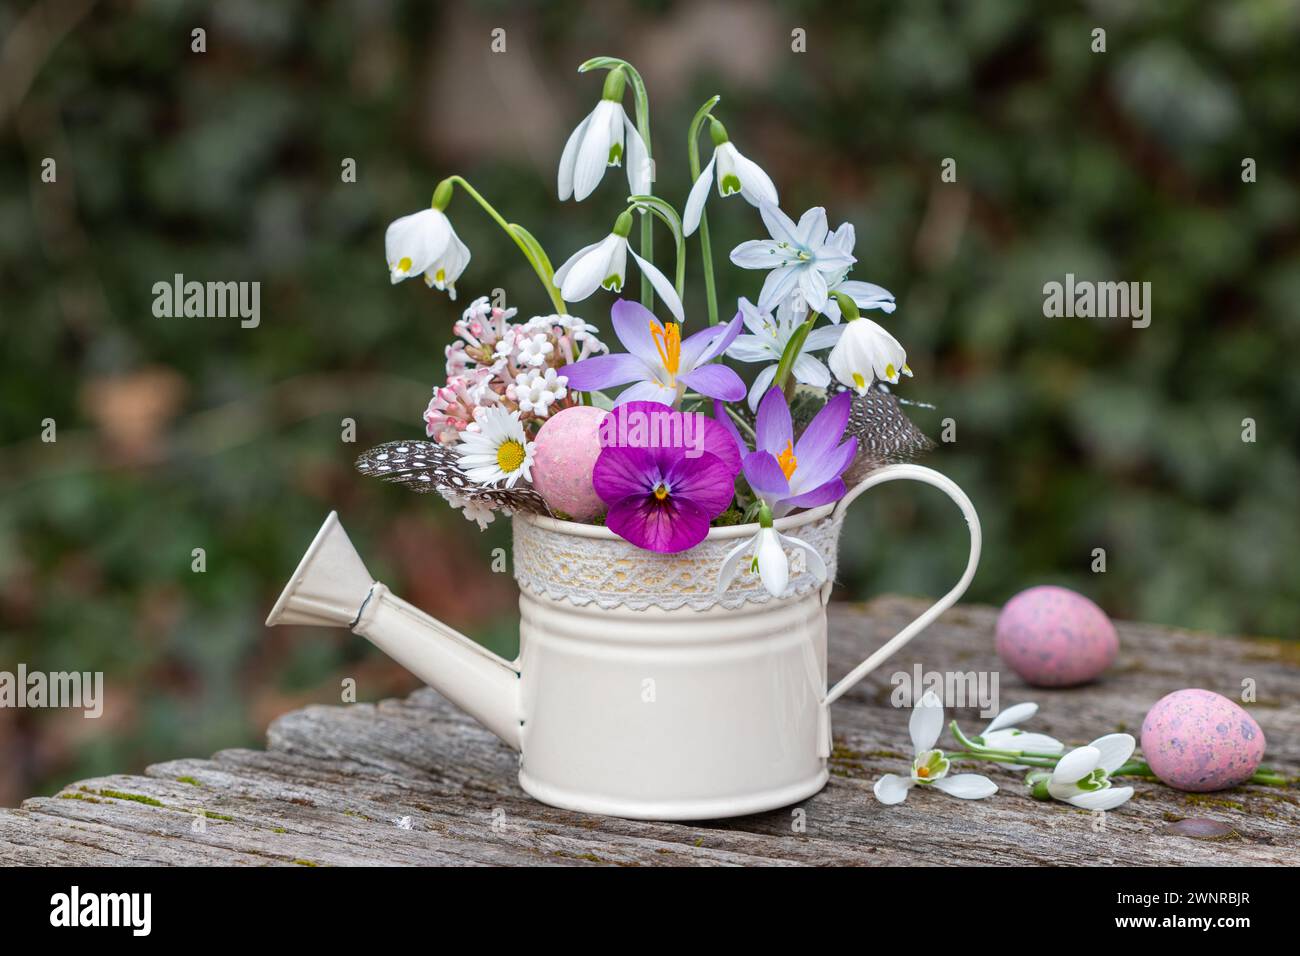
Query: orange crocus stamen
[[787, 461], [668, 340]]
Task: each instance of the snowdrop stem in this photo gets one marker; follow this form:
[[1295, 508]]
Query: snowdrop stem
[[673, 221], [706, 247], [1018, 756], [1139, 768], [642, 100], [529, 246], [1003, 757], [782, 378]]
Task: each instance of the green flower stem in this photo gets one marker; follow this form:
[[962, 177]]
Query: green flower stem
[[1001, 758], [741, 423], [642, 100], [1134, 768], [782, 379], [706, 247], [673, 221], [529, 246]]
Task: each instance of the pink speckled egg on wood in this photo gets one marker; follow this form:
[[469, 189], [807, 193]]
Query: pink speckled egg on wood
[[563, 458], [1198, 740], [1055, 637]]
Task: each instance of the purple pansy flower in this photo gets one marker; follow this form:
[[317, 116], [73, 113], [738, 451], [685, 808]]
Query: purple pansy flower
[[787, 474], [665, 475], [659, 361]]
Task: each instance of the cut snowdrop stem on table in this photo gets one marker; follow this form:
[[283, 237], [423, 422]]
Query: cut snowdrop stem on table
[[930, 766]]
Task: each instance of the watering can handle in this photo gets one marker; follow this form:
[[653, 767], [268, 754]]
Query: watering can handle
[[930, 477]]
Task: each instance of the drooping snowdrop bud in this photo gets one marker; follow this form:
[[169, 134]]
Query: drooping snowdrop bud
[[425, 243], [865, 351], [733, 174], [599, 142]]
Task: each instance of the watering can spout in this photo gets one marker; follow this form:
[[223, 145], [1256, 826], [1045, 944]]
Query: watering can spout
[[332, 588]]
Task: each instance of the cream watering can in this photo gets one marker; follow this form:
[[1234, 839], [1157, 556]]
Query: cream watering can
[[639, 691]]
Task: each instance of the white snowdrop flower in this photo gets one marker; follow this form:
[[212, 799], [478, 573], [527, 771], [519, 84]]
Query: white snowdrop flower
[[930, 766], [1082, 777], [733, 173], [598, 143]]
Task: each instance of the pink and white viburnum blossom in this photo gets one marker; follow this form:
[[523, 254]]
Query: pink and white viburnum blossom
[[495, 362]]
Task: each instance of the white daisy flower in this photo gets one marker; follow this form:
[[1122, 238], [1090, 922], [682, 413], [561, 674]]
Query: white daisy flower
[[498, 450]]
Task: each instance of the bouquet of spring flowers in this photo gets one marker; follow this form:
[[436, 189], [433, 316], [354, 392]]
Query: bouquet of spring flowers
[[664, 439]]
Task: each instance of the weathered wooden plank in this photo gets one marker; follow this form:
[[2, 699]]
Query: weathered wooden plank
[[413, 781]]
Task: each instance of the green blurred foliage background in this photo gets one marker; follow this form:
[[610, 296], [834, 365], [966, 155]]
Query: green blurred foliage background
[[175, 434]]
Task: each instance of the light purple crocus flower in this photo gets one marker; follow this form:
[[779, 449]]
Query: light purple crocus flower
[[658, 361], [787, 474], [662, 494]]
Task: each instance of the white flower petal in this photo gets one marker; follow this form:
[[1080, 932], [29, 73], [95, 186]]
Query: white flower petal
[[892, 789], [640, 170], [773, 565], [926, 722], [593, 151], [412, 243], [1012, 717], [587, 274], [762, 382], [1076, 765], [758, 254], [562, 273], [695, 201], [815, 563], [731, 564], [808, 370], [968, 786], [1115, 749], [780, 226], [755, 185], [569, 158], [663, 287], [1107, 799]]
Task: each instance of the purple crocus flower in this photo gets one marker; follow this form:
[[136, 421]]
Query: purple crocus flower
[[660, 363], [664, 491], [787, 474]]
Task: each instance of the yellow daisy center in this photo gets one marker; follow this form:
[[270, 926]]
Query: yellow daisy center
[[510, 455], [787, 461]]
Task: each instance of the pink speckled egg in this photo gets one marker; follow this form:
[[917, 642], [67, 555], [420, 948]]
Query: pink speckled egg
[[1198, 740], [1055, 637], [563, 458]]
